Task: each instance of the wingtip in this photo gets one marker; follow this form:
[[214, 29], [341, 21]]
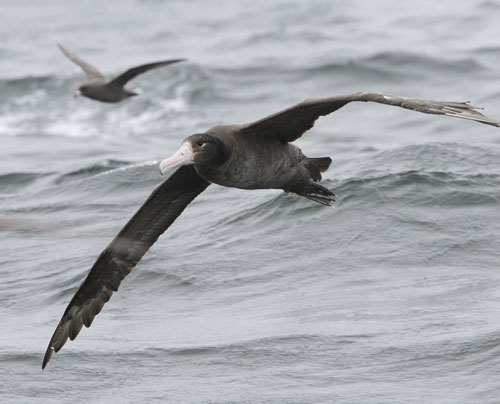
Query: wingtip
[[48, 355], [169, 62], [62, 49]]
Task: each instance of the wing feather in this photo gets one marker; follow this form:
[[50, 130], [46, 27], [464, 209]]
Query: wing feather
[[123, 78], [88, 69], [155, 216], [290, 124]]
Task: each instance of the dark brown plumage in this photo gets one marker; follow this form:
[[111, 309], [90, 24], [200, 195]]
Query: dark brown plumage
[[249, 156], [159, 211]]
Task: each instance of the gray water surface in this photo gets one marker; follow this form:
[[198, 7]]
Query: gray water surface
[[392, 296]]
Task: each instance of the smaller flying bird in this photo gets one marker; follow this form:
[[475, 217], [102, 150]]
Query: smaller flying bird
[[100, 89]]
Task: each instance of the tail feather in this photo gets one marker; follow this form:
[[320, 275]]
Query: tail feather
[[318, 165]]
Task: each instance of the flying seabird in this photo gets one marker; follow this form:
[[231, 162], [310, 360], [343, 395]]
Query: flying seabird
[[100, 89], [255, 155]]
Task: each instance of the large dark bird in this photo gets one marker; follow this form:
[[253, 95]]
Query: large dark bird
[[100, 89], [249, 156]]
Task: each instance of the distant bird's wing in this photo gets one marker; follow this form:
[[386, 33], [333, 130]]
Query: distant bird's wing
[[291, 123], [155, 216], [123, 78], [90, 71]]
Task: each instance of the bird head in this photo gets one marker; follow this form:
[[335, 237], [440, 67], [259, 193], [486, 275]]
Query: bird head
[[84, 90], [200, 150]]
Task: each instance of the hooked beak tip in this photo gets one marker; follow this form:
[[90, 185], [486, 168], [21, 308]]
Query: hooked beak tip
[[162, 169]]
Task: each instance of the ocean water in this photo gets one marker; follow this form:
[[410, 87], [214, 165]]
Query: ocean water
[[390, 296]]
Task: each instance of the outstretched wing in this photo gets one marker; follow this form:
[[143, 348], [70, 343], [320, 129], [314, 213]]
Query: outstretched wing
[[90, 71], [123, 78], [291, 123], [155, 216]]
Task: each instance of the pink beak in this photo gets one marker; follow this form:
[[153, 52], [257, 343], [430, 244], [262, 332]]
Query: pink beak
[[182, 157]]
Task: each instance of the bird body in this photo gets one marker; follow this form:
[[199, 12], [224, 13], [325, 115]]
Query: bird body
[[255, 155], [266, 164], [100, 90]]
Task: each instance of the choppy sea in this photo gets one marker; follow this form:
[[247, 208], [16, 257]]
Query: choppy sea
[[391, 296]]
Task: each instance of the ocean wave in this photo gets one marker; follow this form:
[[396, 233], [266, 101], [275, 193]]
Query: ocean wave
[[426, 64], [450, 173], [11, 183], [383, 63], [423, 188], [91, 170], [26, 82]]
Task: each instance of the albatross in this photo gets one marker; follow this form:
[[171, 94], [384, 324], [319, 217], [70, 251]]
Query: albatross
[[100, 89], [255, 155]]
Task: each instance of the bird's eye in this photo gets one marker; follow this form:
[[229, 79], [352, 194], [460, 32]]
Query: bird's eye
[[200, 143]]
